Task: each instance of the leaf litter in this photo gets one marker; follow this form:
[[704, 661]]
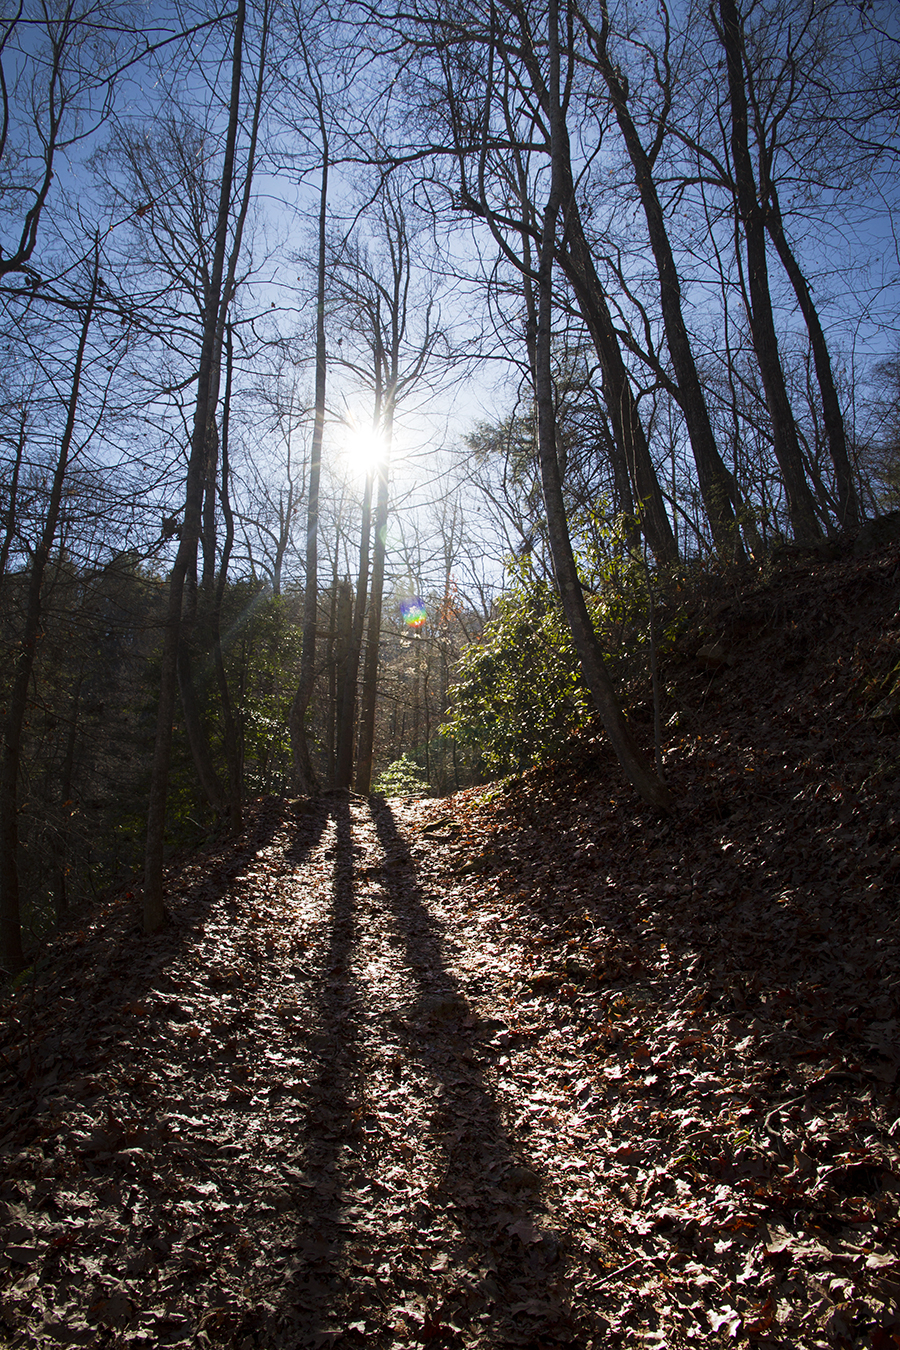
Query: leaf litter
[[527, 1067]]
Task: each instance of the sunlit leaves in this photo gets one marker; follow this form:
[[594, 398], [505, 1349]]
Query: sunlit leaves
[[518, 694]]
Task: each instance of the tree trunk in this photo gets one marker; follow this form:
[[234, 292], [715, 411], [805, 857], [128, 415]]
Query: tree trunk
[[370, 666], [717, 485], [831, 404], [333, 644], [632, 466], [801, 504], [349, 676], [637, 769], [11, 953], [195, 727], [202, 640], [186, 557], [343, 642], [198, 601], [304, 775], [230, 734], [634, 459]]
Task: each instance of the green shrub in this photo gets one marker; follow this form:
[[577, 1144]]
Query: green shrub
[[518, 693], [403, 778]]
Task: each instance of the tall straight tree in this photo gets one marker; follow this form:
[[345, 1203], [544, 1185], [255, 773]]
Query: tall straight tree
[[230, 736], [751, 213], [349, 672], [11, 953], [366, 749], [218, 295], [305, 780]]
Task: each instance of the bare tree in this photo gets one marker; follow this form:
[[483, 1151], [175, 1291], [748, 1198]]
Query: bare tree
[[720, 495], [304, 774], [59, 70], [785, 66], [751, 213], [397, 333], [493, 110], [638, 771], [272, 485], [11, 953], [227, 236]]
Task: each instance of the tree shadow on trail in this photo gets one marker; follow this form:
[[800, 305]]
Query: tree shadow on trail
[[420, 1224], [505, 1273], [329, 1132], [106, 961]]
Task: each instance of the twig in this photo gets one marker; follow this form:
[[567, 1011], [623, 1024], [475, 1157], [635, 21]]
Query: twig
[[611, 1275]]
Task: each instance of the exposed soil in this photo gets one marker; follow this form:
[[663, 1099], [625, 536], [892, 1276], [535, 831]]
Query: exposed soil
[[526, 1067]]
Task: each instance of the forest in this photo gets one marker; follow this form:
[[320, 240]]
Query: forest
[[365, 370], [449, 640]]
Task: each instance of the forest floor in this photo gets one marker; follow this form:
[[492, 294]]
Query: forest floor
[[526, 1067]]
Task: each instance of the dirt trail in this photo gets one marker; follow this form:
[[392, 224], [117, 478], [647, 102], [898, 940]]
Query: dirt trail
[[295, 1117], [526, 1068]]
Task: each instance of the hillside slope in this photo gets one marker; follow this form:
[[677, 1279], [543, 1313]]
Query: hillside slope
[[526, 1067]]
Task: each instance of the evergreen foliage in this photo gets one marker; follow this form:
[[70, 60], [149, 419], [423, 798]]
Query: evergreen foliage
[[403, 778], [518, 693]]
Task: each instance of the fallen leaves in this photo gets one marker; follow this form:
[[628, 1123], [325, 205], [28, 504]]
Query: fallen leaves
[[531, 1070]]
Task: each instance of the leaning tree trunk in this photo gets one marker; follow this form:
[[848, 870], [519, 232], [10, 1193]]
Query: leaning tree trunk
[[639, 772], [717, 486], [832, 416], [577, 262], [632, 465]]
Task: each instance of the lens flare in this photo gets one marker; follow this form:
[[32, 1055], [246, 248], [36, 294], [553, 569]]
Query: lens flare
[[413, 614]]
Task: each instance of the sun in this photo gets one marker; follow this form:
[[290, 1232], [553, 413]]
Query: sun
[[363, 449]]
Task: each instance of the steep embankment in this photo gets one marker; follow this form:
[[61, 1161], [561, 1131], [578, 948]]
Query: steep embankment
[[527, 1067]]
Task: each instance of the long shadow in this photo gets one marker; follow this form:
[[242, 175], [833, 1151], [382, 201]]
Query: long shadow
[[754, 925], [93, 968], [329, 1134], [503, 1238], [143, 1042], [471, 1252]]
